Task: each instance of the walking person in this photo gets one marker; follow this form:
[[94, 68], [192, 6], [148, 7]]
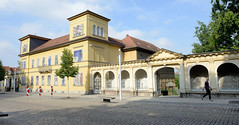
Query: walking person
[[208, 90]]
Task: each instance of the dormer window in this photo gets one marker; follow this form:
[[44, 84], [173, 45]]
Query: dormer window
[[24, 48], [78, 30]]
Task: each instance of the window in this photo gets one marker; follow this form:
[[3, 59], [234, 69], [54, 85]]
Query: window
[[78, 30], [42, 80], [93, 30], [98, 30], [43, 61], [49, 60], [56, 80], [23, 64], [78, 79], [31, 80], [24, 48], [56, 59], [37, 80], [102, 32], [63, 81], [49, 80], [23, 80], [77, 55], [32, 63], [38, 60]]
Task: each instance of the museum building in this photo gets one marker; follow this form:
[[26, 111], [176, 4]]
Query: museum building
[[145, 68]]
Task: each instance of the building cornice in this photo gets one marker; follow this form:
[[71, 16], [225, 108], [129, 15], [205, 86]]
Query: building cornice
[[90, 13], [33, 36]]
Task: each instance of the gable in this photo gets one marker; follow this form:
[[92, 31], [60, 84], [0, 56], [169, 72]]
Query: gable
[[165, 54]]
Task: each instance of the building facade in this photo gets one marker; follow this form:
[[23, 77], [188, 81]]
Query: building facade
[[146, 69]]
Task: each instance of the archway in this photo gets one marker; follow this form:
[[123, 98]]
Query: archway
[[125, 80], [198, 76], [141, 79], [109, 79], [166, 78], [228, 76], [97, 82]]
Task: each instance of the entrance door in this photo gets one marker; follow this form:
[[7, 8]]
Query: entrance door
[[97, 83]]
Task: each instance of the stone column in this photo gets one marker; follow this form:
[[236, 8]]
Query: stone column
[[182, 78]]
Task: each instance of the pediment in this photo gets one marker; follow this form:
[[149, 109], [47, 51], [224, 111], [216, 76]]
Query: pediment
[[165, 54]]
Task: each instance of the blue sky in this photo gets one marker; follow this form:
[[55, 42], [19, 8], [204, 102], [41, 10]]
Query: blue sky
[[168, 24]]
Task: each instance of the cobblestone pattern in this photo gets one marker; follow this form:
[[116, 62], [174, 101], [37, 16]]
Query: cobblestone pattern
[[140, 112]]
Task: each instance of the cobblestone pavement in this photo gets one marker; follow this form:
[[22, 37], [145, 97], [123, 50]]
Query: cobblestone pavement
[[90, 110]]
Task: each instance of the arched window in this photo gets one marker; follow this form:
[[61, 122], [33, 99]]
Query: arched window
[[93, 30], [98, 30], [102, 31]]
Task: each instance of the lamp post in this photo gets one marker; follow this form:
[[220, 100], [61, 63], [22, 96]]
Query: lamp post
[[14, 83], [120, 74]]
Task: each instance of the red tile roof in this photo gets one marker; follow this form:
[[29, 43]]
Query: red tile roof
[[7, 68], [131, 42]]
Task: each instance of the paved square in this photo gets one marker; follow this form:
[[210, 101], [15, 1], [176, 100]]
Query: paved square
[[90, 110]]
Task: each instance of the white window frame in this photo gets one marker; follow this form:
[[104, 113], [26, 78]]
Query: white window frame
[[43, 61], [42, 80], [56, 80], [38, 61], [37, 80], [33, 63], [77, 58], [78, 79], [49, 80], [63, 82], [56, 59], [49, 60]]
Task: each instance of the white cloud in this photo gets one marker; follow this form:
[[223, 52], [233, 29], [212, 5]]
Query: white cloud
[[122, 34], [164, 43], [8, 53], [53, 9]]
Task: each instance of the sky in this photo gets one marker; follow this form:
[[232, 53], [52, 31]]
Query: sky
[[168, 24]]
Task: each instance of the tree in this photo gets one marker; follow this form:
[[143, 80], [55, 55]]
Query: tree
[[222, 32], [2, 71], [67, 69]]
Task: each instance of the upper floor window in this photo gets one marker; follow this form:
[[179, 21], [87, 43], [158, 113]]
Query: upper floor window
[[38, 61], [77, 55], [24, 48], [23, 64], [78, 30], [49, 60], [32, 63], [102, 32], [43, 61], [56, 59], [93, 30], [98, 31]]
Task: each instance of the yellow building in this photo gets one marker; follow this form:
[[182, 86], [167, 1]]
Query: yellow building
[[146, 69], [90, 44]]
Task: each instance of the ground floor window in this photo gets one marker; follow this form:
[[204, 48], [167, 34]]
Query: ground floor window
[[78, 79]]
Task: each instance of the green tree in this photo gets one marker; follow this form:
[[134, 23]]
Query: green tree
[[67, 69], [2, 71], [222, 32]]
